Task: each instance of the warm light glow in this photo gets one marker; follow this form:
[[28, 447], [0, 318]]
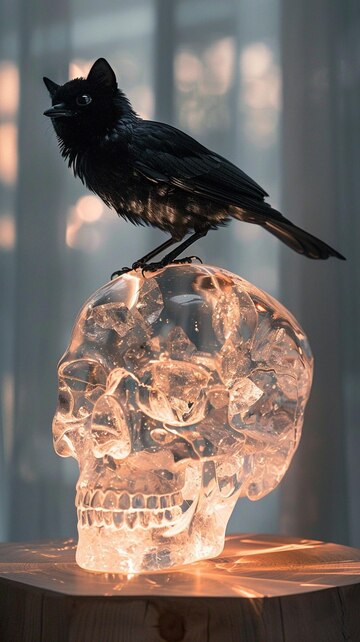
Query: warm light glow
[[79, 68], [8, 414], [175, 405], [249, 567], [72, 228], [260, 93], [211, 74], [89, 208], [8, 153], [7, 232], [264, 93], [9, 89], [188, 70], [81, 234], [82, 238], [203, 80], [142, 97], [219, 59], [255, 60]]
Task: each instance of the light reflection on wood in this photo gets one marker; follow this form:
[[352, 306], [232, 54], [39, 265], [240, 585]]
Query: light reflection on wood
[[251, 566]]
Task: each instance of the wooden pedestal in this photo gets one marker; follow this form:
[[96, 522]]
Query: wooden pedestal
[[261, 589]]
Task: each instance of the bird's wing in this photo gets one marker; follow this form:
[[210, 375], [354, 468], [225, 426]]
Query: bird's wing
[[163, 153]]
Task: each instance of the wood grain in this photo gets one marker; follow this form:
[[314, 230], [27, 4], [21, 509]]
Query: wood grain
[[261, 589]]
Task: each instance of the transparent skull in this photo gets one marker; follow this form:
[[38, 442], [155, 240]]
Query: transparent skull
[[179, 393]]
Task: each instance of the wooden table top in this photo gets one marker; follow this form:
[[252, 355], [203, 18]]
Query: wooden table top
[[251, 566]]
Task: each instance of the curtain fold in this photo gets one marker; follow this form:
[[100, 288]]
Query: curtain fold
[[44, 39], [320, 193]]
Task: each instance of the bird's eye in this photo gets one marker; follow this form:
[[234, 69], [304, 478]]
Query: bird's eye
[[83, 100]]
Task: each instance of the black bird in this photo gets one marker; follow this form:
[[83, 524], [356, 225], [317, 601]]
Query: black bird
[[154, 174]]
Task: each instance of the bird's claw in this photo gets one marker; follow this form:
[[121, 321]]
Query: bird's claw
[[153, 267], [159, 265], [187, 259], [117, 273], [137, 265]]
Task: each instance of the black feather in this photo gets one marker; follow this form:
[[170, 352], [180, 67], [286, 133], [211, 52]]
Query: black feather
[[154, 174]]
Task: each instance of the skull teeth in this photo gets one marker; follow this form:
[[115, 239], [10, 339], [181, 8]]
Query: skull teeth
[[128, 519], [114, 510], [115, 501], [118, 519]]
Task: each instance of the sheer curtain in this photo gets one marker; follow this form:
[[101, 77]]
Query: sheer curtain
[[213, 69], [321, 161]]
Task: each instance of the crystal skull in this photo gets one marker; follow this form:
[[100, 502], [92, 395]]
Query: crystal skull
[[180, 391]]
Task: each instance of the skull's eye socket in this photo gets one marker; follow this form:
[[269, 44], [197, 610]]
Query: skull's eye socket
[[83, 100], [175, 393]]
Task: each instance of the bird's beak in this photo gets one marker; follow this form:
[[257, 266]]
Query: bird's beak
[[58, 111]]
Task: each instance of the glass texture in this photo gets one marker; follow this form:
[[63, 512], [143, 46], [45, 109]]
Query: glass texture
[[180, 392]]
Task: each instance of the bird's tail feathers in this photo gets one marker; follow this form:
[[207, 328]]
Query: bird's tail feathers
[[299, 240]]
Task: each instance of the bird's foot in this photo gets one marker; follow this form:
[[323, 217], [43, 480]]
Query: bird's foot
[[117, 273], [124, 270], [153, 267], [159, 265], [187, 259], [138, 265]]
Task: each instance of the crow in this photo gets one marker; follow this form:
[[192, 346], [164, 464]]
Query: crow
[[153, 174]]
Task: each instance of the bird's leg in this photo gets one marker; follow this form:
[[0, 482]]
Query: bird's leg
[[140, 263], [150, 255], [167, 259], [172, 256]]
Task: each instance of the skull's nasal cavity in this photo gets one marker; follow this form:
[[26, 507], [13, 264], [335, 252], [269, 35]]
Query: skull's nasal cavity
[[109, 431]]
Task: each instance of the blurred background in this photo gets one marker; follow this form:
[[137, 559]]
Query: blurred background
[[273, 86]]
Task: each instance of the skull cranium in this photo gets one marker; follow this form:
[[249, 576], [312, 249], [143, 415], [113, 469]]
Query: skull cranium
[[178, 393]]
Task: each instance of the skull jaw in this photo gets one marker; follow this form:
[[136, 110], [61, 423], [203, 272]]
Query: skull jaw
[[184, 521], [140, 551]]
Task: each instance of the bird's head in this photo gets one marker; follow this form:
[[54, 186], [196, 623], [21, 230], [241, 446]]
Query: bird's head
[[84, 109]]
